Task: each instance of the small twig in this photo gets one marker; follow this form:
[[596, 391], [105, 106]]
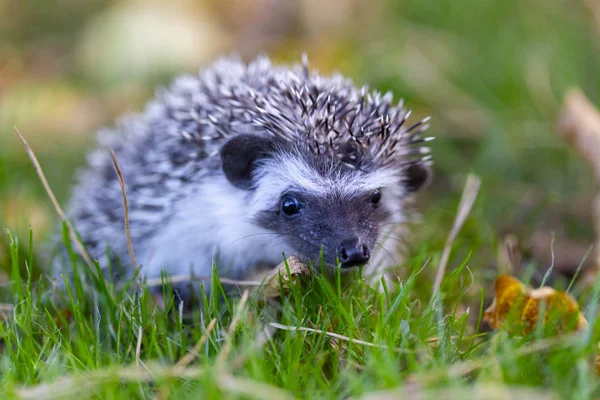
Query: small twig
[[335, 335], [57, 207], [125, 207], [464, 208], [191, 278], [189, 357]]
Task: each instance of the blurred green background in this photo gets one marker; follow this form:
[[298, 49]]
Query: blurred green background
[[491, 73]]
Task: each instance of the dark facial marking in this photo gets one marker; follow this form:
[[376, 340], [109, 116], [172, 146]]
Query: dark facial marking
[[347, 228]]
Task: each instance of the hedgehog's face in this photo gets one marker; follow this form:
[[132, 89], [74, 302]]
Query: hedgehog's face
[[338, 211]]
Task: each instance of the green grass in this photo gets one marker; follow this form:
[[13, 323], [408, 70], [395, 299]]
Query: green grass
[[491, 73], [82, 342]]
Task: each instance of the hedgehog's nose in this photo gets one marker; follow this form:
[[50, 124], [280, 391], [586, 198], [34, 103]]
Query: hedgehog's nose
[[352, 253]]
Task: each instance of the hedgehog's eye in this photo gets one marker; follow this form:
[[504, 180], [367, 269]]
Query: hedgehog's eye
[[290, 205], [376, 196]]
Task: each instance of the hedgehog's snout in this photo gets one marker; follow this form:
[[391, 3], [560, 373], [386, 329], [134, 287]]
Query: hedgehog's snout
[[352, 252]]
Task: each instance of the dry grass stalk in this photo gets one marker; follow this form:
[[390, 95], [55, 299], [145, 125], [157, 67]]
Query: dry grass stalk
[[191, 278], [189, 357], [335, 336], [125, 207], [57, 207], [269, 283], [84, 383], [464, 208], [71, 386]]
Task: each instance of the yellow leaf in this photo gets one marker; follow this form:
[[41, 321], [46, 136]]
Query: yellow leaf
[[517, 308]]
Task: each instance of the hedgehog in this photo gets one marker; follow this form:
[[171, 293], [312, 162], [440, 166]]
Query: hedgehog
[[241, 164]]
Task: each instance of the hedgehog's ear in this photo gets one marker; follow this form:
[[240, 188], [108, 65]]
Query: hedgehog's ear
[[239, 155], [418, 176]]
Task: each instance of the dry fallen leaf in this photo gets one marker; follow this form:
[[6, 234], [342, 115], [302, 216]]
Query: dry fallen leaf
[[517, 308], [579, 125], [271, 281]]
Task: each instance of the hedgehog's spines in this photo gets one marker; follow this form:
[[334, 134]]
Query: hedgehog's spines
[[321, 115], [420, 140]]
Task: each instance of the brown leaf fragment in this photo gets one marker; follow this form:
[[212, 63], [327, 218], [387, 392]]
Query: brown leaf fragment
[[271, 282]]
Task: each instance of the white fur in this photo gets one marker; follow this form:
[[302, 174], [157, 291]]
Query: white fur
[[283, 171], [213, 223]]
